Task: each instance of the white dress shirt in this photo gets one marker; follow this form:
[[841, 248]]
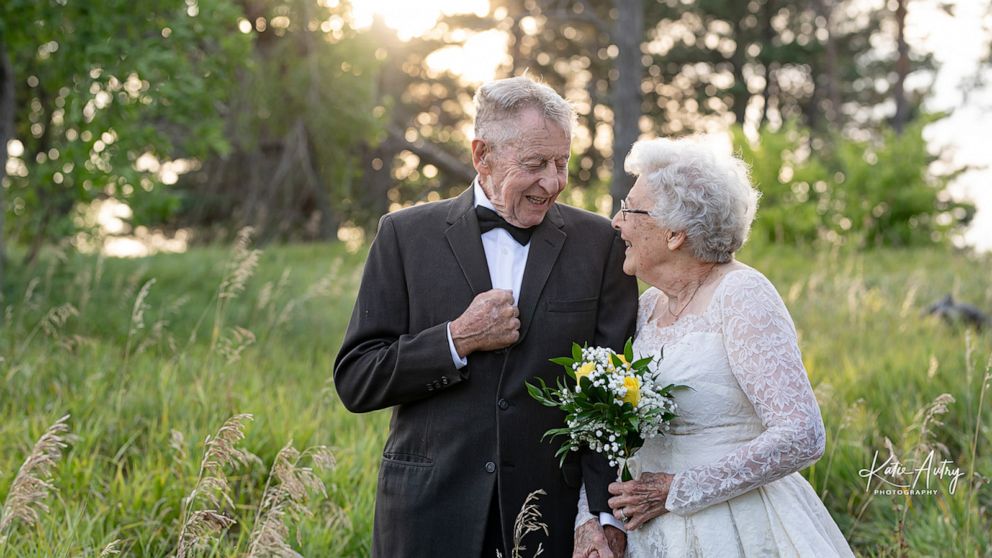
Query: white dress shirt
[[507, 259]]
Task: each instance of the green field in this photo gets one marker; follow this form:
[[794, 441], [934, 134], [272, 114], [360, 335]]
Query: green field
[[147, 370]]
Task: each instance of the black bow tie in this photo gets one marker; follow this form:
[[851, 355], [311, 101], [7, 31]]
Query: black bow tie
[[489, 220]]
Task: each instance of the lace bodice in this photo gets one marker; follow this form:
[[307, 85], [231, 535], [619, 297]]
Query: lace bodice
[[751, 417]]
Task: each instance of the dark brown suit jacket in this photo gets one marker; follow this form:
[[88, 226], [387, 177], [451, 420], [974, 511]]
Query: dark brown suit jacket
[[454, 433]]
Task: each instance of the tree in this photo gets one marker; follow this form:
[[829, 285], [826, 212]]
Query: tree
[[104, 91], [6, 132], [302, 109], [901, 116]]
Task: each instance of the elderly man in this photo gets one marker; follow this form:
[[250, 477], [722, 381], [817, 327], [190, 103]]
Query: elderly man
[[461, 302]]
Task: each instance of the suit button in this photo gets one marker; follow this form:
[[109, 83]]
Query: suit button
[[503, 404], [444, 380], [490, 467]]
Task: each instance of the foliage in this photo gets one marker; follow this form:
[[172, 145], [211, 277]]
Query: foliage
[[879, 192], [296, 122], [99, 85], [303, 107]]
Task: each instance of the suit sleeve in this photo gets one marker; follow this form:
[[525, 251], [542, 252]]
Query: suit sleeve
[[380, 363], [615, 323]]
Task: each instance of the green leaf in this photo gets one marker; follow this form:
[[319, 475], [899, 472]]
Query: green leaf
[[641, 363], [564, 361], [617, 363], [628, 349], [576, 352]]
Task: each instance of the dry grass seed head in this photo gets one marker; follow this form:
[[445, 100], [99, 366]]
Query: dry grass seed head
[[140, 306], [286, 497], [241, 266], [112, 549], [927, 419], [201, 525], [32, 485], [56, 318], [221, 450], [528, 521], [233, 345]]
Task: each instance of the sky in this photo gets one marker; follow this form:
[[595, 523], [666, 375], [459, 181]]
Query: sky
[[958, 42]]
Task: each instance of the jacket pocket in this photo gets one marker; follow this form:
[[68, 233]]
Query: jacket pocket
[[408, 459], [576, 305]]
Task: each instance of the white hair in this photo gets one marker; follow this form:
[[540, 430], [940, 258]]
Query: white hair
[[698, 190], [498, 102]]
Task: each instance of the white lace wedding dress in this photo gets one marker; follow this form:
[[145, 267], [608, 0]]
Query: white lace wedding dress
[[745, 429]]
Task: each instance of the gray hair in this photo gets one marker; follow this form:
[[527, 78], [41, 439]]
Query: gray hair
[[697, 190], [499, 101]]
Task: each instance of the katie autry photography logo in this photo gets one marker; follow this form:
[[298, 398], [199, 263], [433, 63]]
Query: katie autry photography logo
[[922, 476]]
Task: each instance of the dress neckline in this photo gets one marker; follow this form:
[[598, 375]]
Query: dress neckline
[[695, 316]]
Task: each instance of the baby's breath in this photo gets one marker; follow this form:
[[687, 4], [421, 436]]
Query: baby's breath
[[638, 409]]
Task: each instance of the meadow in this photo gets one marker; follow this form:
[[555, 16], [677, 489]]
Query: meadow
[[150, 358]]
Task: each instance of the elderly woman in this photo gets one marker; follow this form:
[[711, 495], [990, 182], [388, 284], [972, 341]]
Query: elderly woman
[[724, 482]]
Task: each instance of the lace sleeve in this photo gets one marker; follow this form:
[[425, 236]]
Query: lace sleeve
[[763, 350]]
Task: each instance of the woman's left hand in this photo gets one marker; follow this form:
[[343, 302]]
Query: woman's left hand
[[638, 501]]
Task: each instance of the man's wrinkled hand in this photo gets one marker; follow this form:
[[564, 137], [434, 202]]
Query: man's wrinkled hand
[[489, 323], [616, 539], [591, 541]]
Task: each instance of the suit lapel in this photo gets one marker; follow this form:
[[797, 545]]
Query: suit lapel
[[466, 242], [545, 245]]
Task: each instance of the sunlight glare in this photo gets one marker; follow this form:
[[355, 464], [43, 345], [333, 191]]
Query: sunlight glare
[[475, 61], [413, 18]]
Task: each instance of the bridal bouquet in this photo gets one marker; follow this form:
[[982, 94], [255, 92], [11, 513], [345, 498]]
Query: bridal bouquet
[[613, 407]]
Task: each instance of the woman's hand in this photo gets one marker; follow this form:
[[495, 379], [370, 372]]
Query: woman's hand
[[638, 501]]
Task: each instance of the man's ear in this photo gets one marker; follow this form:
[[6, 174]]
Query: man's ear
[[481, 155]]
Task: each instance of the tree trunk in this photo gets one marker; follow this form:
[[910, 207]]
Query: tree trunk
[[825, 9], [741, 94], [6, 133], [627, 34], [768, 36], [902, 70], [517, 62]]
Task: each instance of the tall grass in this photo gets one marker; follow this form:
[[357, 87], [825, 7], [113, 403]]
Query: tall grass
[[151, 356]]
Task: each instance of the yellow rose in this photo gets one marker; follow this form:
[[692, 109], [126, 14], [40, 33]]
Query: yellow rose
[[633, 386], [584, 371]]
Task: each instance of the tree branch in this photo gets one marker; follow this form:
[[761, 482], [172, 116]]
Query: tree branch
[[433, 154]]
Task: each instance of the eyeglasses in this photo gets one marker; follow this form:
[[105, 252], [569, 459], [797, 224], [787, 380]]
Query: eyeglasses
[[624, 210]]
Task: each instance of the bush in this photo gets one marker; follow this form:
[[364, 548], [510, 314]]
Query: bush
[[877, 192]]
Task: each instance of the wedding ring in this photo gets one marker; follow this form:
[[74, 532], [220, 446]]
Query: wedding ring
[[623, 516]]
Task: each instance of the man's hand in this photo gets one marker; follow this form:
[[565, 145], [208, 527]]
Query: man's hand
[[491, 322], [591, 542], [617, 540]]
